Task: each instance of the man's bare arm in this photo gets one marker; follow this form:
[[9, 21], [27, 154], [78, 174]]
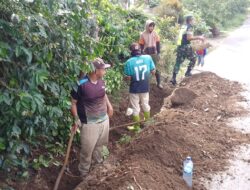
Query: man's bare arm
[[109, 106]]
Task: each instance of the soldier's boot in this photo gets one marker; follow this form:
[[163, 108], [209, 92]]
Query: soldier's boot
[[188, 73], [173, 80], [158, 79]]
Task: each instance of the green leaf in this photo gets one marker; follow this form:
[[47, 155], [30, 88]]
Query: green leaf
[[2, 144], [18, 51], [28, 54], [105, 152], [49, 56], [25, 174], [16, 131], [54, 133], [7, 99], [4, 45], [26, 149], [42, 31], [33, 106]]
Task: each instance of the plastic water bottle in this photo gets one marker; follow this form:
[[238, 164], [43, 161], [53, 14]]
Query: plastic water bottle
[[188, 171]]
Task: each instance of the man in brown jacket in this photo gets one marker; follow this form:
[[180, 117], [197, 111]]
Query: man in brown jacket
[[150, 45]]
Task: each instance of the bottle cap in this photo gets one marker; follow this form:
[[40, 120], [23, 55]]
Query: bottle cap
[[189, 158]]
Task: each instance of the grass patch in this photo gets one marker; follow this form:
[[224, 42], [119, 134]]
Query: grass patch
[[125, 139]]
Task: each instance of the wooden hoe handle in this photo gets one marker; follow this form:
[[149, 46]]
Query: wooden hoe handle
[[65, 161]]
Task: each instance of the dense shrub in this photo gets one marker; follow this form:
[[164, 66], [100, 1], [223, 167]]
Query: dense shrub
[[217, 13], [42, 49], [44, 44]]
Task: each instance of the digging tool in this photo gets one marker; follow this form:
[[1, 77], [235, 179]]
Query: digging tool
[[73, 131], [125, 125]]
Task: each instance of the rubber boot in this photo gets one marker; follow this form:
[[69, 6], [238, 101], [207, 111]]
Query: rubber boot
[[135, 127], [136, 118], [158, 79], [173, 80], [146, 115]]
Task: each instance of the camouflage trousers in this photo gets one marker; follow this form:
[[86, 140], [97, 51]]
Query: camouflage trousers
[[184, 52]]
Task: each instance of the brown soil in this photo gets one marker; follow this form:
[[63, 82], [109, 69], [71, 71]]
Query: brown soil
[[153, 159]]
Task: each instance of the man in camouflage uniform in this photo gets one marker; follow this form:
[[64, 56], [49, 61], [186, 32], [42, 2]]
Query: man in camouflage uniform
[[184, 49]]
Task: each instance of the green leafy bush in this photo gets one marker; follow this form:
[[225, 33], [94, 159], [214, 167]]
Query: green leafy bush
[[168, 28], [40, 57], [125, 139], [217, 13]]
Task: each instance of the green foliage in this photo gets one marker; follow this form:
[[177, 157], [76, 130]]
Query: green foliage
[[217, 13], [169, 8], [45, 44], [235, 22], [7, 8], [168, 28], [105, 152], [125, 139], [200, 27], [41, 55], [41, 162], [114, 80], [153, 3], [168, 56]]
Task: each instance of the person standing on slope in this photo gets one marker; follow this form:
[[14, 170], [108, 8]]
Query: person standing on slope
[[150, 45], [184, 49], [138, 70], [91, 110]]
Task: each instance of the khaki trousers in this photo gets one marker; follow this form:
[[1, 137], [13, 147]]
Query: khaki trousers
[[135, 100], [93, 138]]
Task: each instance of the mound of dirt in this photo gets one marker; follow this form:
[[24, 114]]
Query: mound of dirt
[[179, 96], [153, 159]]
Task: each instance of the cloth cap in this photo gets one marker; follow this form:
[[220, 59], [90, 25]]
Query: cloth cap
[[98, 63], [135, 47]]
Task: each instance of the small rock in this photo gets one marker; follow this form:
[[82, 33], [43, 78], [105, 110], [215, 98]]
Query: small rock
[[206, 110], [130, 187], [218, 118], [195, 123]]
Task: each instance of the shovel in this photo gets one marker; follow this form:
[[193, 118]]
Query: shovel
[[73, 131]]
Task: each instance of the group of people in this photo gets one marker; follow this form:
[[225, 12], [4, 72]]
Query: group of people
[[91, 107]]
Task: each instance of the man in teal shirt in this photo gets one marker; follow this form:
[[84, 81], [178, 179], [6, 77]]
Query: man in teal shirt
[[138, 70]]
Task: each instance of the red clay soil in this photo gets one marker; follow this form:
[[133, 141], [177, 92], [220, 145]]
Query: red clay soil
[[153, 158]]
